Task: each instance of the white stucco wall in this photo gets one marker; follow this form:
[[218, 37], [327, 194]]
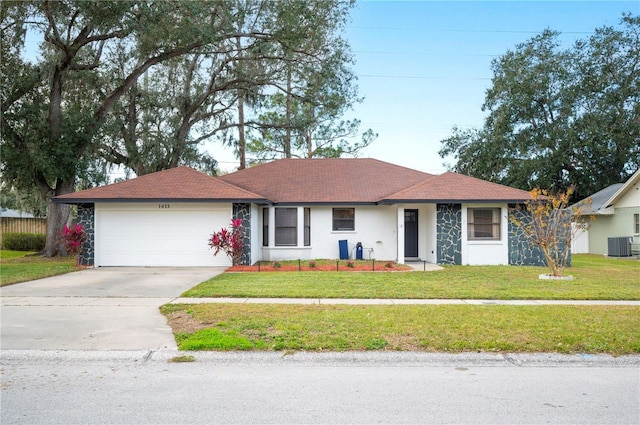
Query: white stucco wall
[[256, 232], [479, 252], [375, 228], [427, 242], [379, 228]]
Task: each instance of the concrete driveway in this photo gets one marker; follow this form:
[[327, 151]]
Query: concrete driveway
[[112, 308]]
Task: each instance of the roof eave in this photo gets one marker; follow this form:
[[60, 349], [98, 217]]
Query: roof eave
[[75, 201], [451, 201], [623, 189], [321, 203]]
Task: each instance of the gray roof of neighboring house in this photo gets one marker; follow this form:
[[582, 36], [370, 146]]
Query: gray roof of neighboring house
[[14, 213], [608, 196], [599, 200]]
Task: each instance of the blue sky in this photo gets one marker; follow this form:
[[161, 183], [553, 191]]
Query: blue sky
[[424, 66]]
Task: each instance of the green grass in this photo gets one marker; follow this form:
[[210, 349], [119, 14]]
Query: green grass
[[19, 266], [435, 328], [595, 278], [182, 359], [9, 255]]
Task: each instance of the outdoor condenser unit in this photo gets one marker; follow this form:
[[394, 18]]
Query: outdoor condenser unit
[[619, 246]]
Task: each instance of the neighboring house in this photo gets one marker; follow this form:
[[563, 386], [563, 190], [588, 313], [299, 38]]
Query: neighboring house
[[616, 214], [14, 221], [302, 209]]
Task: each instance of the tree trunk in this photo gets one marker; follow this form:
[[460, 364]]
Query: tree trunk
[[241, 142], [57, 217], [287, 137]]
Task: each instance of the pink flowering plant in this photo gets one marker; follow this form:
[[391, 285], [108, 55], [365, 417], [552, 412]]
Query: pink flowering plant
[[73, 238], [229, 241]]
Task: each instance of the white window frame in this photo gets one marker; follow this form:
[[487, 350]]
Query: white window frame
[[343, 229], [277, 240], [494, 226]]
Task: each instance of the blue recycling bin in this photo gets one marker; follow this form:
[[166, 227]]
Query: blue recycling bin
[[344, 249], [359, 251]]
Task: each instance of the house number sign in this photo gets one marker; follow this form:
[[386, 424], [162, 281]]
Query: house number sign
[[164, 205]]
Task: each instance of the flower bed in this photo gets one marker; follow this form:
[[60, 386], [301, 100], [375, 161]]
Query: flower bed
[[322, 266]]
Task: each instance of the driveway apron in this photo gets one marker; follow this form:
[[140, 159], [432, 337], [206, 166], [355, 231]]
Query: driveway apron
[[110, 308]]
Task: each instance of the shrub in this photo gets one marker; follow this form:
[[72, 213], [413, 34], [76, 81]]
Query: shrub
[[23, 241], [229, 241], [73, 238], [549, 225], [312, 264], [350, 264], [277, 265]]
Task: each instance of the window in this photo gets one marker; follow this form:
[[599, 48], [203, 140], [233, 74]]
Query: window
[[307, 227], [483, 224], [286, 227], [344, 219], [265, 227], [636, 224]]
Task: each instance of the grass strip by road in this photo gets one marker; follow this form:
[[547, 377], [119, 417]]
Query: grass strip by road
[[434, 328], [595, 278], [20, 266]]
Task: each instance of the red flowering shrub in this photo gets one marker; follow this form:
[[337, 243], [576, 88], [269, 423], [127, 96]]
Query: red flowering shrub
[[229, 241], [73, 238]]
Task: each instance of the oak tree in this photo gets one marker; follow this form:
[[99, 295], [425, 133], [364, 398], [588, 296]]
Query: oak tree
[[559, 117]]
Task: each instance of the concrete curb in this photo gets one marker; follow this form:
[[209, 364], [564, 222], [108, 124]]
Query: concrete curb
[[350, 358]]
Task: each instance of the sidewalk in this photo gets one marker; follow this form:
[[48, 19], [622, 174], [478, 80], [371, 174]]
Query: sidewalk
[[387, 301]]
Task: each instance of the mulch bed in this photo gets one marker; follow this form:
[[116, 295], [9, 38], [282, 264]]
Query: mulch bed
[[343, 266]]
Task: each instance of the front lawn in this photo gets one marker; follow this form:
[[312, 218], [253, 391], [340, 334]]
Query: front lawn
[[444, 328], [19, 266], [595, 278]]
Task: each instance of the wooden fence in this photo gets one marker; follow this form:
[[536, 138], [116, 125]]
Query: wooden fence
[[22, 225]]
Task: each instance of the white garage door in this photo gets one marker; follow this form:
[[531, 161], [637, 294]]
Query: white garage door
[[159, 234]]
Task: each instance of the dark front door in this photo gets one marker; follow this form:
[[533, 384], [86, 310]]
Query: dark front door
[[411, 233]]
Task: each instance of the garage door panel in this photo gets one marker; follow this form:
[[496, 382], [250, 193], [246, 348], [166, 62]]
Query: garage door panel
[[136, 236]]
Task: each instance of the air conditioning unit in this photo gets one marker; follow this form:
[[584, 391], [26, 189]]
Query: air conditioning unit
[[620, 246]]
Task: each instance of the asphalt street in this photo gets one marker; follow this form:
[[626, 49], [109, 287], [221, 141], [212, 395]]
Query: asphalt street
[[85, 387]]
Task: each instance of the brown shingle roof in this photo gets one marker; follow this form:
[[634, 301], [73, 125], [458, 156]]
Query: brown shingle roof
[[327, 180], [457, 187], [181, 183], [303, 181]]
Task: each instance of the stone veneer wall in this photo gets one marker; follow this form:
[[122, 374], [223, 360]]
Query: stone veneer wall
[[243, 212], [521, 252], [449, 233], [86, 218]]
